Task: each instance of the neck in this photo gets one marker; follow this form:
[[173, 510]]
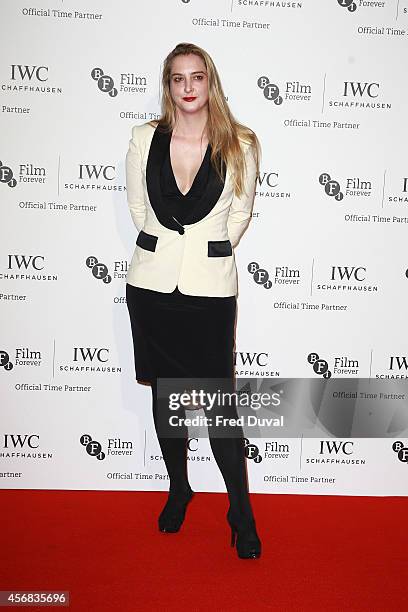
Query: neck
[[191, 126]]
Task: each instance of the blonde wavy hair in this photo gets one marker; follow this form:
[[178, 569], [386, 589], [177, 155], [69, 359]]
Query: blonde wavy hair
[[223, 130]]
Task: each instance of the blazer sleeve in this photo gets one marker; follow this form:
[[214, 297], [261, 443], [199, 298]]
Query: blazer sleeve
[[134, 184], [241, 207]]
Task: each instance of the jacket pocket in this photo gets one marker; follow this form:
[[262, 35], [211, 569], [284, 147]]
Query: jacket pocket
[[146, 241], [219, 248]]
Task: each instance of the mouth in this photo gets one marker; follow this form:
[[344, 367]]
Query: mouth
[[189, 98]]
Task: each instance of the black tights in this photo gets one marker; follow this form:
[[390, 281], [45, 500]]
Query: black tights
[[229, 453]]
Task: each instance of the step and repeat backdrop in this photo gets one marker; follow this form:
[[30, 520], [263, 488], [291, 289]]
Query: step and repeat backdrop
[[322, 267]]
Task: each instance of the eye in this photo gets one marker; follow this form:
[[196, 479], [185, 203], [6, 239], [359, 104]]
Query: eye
[[199, 77]]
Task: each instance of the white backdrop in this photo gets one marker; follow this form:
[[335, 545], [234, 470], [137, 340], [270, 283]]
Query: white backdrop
[[322, 83]]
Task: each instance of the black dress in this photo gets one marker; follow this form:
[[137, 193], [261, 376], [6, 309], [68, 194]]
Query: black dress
[[174, 334]]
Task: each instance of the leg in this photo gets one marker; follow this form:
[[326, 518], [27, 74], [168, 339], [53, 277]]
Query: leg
[[229, 453], [174, 452]]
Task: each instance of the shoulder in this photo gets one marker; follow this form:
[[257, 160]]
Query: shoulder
[[248, 141], [246, 145], [250, 145], [247, 136], [142, 131], [248, 148], [142, 136]]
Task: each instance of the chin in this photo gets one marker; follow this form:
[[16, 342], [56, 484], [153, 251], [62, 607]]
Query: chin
[[192, 109], [193, 105]]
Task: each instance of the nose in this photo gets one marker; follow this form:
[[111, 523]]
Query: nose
[[187, 85]]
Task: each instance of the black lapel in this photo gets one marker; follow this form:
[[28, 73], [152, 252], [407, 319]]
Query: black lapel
[[155, 159], [209, 198], [158, 149]]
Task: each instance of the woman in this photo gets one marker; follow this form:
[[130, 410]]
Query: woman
[[190, 184]]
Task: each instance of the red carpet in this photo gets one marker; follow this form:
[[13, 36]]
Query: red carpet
[[319, 552]]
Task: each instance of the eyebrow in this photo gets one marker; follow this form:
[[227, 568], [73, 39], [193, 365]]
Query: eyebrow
[[196, 72]]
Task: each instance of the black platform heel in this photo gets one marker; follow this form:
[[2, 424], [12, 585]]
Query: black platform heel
[[172, 516], [244, 535]]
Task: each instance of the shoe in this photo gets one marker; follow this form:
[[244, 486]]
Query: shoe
[[244, 535], [173, 513]]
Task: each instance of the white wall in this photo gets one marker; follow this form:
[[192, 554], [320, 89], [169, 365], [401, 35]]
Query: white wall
[[317, 50]]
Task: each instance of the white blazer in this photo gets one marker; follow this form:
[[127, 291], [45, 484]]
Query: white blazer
[[197, 256]]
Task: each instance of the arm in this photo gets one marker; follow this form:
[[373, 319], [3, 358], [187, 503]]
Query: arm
[[241, 208], [134, 185]]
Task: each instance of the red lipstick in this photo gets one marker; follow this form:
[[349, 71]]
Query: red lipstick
[[189, 98]]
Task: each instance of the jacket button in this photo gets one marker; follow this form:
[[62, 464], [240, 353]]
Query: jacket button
[[181, 230]]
